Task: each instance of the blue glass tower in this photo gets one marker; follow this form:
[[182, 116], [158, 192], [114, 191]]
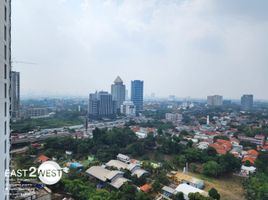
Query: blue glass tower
[[137, 94]]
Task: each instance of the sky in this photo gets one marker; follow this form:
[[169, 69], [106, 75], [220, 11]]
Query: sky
[[187, 48]]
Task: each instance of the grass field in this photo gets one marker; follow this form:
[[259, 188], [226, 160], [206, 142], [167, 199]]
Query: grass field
[[230, 187]]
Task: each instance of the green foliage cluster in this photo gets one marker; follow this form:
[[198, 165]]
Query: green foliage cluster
[[198, 196], [224, 164], [84, 190], [60, 119], [256, 186], [213, 193]]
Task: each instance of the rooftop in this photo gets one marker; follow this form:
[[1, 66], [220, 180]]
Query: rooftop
[[118, 80], [146, 187], [186, 189]]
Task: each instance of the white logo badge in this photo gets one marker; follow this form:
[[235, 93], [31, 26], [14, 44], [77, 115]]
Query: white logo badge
[[50, 172]]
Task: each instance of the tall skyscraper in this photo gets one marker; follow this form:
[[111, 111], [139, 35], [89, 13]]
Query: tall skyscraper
[[215, 100], [247, 101], [15, 95], [5, 68], [101, 105], [137, 94], [118, 91], [106, 105]]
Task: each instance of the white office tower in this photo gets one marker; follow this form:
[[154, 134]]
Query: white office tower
[[5, 68], [128, 108], [118, 91], [215, 100]]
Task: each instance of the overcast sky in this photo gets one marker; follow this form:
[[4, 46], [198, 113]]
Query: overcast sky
[[181, 47]]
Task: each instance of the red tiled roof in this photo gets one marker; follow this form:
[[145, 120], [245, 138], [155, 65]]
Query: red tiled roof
[[220, 149], [250, 159], [146, 188], [253, 152], [222, 146], [43, 158]]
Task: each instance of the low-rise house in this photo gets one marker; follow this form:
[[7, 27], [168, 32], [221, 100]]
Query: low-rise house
[[168, 191], [141, 135], [265, 146], [222, 146], [185, 178], [246, 171], [146, 188], [258, 139], [123, 158], [133, 168], [42, 158], [187, 189], [250, 156], [202, 145], [112, 177]]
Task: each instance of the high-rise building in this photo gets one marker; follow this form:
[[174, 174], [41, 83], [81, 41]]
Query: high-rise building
[[137, 94], [215, 100], [101, 105], [118, 91], [247, 101], [128, 108], [93, 106], [106, 105], [15, 95], [5, 68]]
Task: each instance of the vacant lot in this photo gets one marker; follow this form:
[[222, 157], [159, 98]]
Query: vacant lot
[[229, 187]]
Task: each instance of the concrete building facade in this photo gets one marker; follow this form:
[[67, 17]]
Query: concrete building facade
[[15, 95], [247, 101], [128, 108], [101, 105], [5, 69], [215, 100]]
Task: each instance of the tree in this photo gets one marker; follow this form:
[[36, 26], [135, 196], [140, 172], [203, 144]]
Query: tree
[[142, 196], [229, 163], [211, 152], [247, 163], [193, 155], [212, 168], [256, 187], [178, 196], [213, 193], [262, 162], [197, 196], [156, 186], [128, 192]]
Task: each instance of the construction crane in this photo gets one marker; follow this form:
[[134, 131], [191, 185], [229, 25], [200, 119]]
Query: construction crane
[[23, 62]]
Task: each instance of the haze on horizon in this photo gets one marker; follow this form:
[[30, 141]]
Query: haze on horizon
[[178, 47]]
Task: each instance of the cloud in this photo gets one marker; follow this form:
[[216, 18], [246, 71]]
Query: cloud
[[182, 47]]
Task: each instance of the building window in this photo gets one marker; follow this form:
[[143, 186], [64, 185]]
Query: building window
[[5, 71], [5, 164], [5, 127], [5, 109], [5, 52], [5, 33], [5, 90], [5, 13], [5, 146]]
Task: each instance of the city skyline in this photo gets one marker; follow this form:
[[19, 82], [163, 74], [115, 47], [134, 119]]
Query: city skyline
[[182, 48]]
